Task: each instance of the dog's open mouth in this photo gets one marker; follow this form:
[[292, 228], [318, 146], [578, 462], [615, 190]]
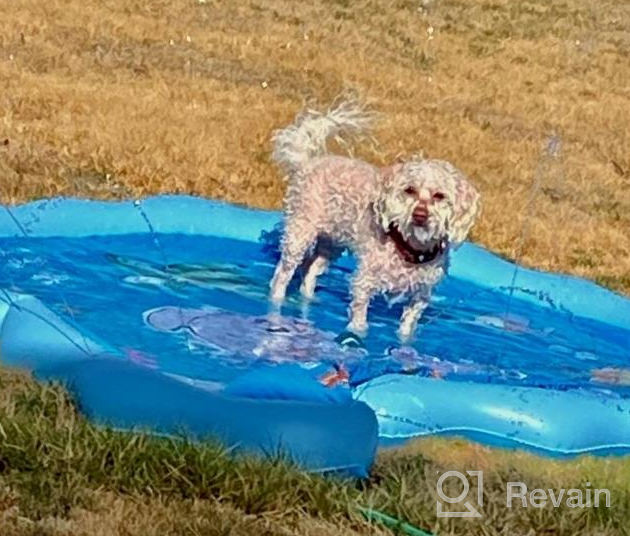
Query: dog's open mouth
[[411, 254]]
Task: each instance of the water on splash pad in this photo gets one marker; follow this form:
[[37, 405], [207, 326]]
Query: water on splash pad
[[196, 308]]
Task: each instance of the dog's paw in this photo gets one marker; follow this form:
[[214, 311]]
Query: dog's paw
[[348, 339]]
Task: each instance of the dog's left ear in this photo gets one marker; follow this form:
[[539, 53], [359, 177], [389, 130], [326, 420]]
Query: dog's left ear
[[467, 205], [388, 173]]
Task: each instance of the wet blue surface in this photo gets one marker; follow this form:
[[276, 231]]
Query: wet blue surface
[[106, 285]]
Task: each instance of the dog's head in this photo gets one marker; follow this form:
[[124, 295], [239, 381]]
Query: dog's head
[[427, 201]]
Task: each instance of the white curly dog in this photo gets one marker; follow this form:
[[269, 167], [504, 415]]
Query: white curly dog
[[400, 221]]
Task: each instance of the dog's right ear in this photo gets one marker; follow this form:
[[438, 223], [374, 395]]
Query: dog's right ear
[[387, 175]]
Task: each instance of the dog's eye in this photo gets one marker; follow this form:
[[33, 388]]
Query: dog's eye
[[410, 190], [438, 196]]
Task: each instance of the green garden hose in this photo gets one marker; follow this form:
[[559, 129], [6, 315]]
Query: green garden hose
[[392, 522]]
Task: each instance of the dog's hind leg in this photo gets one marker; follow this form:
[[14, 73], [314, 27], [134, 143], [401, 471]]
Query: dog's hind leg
[[316, 268], [296, 243], [317, 265]]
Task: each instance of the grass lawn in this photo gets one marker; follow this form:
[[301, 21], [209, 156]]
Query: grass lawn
[[123, 98]]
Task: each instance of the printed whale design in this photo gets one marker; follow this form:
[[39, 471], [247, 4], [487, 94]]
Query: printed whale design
[[273, 338], [276, 339]]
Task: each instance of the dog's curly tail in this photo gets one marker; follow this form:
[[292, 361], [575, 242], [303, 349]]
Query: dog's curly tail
[[306, 137]]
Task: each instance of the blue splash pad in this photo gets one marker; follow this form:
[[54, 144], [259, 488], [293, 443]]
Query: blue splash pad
[[156, 315]]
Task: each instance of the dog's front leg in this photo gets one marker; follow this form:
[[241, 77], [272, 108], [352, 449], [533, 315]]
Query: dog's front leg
[[410, 316], [361, 295], [298, 237]]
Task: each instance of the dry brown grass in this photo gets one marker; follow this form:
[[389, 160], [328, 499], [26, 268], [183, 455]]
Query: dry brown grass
[[111, 98], [120, 515]]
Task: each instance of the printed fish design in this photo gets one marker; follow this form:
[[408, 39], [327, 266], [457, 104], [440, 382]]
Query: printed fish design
[[174, 278]]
